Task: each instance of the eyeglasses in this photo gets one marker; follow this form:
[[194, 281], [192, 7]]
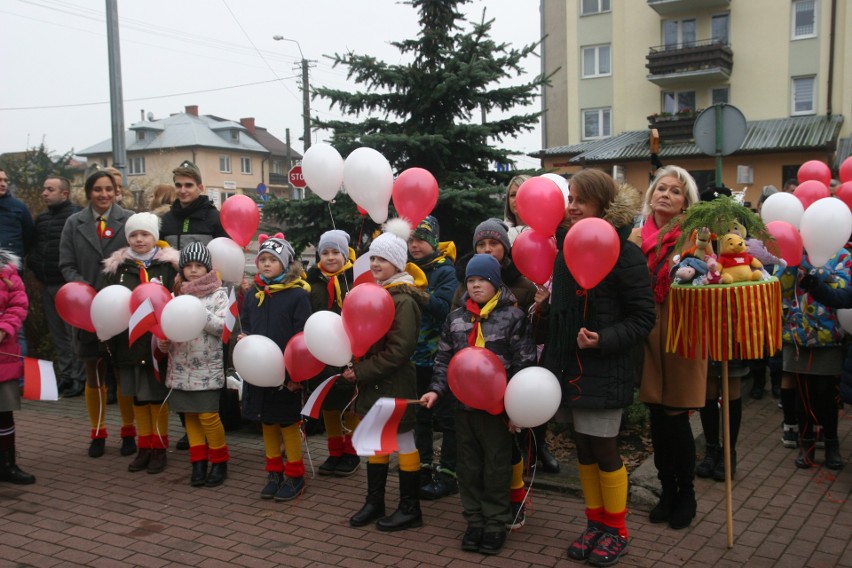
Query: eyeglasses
[[186, 185]]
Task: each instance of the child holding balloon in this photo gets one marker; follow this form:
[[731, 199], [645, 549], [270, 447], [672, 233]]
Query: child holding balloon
[[278, 309], [484, 439], [196, 372], [145, 260]]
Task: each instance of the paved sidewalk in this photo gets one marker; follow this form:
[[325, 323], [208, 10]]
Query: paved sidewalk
[[93, 512]]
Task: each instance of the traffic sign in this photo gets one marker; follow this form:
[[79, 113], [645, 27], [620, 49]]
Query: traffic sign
[[296, 178]]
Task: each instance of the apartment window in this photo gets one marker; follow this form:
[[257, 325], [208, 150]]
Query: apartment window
[[596, 61], [594, 7], [678, 101], [235, 135], [225, 164], [597, 123], [140, 135], [804, 95], [678, 33], [137, 166], [720, 95], [224, 195], [245, 165], [719, 29], [297, 193], [276, 167], [804, 19]]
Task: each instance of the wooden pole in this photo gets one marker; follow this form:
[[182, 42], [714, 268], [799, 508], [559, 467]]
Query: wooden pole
[[726, 449]]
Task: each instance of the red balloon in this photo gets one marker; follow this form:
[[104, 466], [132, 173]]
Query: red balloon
[[811, 190], [814, 170], [846, 170], [844, 193], [240, 218], [361, 210], [367, 316], [74, 303], [478, 379], [789, 241], [533, 254], [299, 362], [591, 249], [541, 205], [415, 193], [159, 296]]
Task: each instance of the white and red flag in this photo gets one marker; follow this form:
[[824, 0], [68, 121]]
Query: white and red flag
[[377, 432], [142, 321], [314, 404], [39, 380], [230, 317]]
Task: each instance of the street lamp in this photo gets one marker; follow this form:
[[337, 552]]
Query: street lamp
[[306, 103]]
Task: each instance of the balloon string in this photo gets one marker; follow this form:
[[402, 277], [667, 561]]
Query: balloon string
[[573, 382], [361, 232], [330, 214]]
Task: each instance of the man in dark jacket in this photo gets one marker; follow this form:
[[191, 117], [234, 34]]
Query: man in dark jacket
[[16, 223], [192, 217], [44, 262]]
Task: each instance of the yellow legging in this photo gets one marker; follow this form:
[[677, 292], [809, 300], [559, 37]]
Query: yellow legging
[[204, 427], [407, 462]]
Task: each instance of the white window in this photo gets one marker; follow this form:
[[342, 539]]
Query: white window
[[678, 33], [245, 165], [720, 95], [804, 19], [225, 164], [596, 61], [675, 102], [804, 95], [594, 7], [719, 29], [137, 166], [276, 167], [597, 123], [297, 193]]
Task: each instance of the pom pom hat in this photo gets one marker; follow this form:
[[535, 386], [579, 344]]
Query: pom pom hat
[[392, 245]]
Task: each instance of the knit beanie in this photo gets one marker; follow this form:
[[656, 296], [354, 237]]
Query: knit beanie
[[484, 266], [195, 252], [147, 222], [392, 248], [428, 230], [336, 240], [279, 248], [493, 229]]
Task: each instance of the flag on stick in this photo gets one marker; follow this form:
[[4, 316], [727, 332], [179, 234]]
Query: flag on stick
[[230, 318], [314, 405], [142, 321], [377, 432], [39, 380]]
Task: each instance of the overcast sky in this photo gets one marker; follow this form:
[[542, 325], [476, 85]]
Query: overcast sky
[[178, 53]]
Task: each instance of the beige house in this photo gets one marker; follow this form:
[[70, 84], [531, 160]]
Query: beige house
[[627, 66], [234, 157]]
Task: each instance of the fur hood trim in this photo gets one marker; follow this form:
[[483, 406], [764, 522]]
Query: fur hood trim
[[624, 207], [119, 257], [7, 258]]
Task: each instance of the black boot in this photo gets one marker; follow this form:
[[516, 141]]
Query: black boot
[[712, 457], [833, 460], [218, 474], [9, 471], [719, 470], [661, 512], [546, 461], [663, 461], [408, 515], [199, 473], [684, 467], [444, 484], [374, 507], [806, 453]]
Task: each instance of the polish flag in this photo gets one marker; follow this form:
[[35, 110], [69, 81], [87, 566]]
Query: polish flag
[[142, 321], [377, 432], [230, 318], [157, 357], [314, 405], [39, 380]]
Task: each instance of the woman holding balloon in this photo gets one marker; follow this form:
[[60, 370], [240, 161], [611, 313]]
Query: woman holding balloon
[[598, 314], [671, 385], [90, 236]]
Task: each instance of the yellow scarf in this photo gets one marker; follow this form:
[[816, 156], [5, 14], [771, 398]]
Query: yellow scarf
[[264, 289], [419, 277], [333, 281], [476, 338]]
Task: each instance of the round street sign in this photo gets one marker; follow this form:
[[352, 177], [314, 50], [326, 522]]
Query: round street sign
[[732, 126], [296, 178]]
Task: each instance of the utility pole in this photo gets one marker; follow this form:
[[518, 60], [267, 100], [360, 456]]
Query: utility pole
[[306, 92], [116, 96]]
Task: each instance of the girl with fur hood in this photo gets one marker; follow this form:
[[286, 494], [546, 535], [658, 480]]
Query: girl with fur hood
[[146, 259], [591, 339], [196, 372], [13, 312], [388, 371]]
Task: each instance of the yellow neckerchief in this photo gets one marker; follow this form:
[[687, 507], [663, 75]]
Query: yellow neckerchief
[[419, 277], [480, 314], [446, 249], [264, 289], [335, 282]]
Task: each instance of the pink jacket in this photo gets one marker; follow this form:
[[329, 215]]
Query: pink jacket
[[13, 312]]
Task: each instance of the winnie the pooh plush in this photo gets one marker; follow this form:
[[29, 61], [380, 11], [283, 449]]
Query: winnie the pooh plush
[[737, 265]]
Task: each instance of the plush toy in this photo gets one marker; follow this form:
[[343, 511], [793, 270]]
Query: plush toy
[[757, 249], [701, 246], [737, 264], [690, 270]]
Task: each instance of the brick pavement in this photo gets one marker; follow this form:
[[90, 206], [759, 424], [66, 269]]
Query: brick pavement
[[93, 512]]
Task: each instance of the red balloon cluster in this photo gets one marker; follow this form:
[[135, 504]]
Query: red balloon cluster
[[74, 304], [814, 170], [789, 241], [846, 170], [533, 254], [478, 379], [811, 190], [844, 192], [591, 249], [367, 316], [240, 218]]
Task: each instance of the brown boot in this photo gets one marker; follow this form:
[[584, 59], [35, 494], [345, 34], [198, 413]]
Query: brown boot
[[158, 460], [141, 460]]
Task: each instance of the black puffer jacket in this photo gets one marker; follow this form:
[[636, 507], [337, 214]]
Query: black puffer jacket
[[44, 258], [620, 309], [198, 222]]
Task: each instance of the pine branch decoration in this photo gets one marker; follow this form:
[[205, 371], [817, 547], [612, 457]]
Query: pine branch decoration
[[718, 215]]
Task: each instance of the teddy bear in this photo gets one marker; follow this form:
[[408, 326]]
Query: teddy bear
[[737, 265]]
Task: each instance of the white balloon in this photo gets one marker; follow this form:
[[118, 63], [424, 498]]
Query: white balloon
[[825, 229], [782, 206], [360, 266], [368, 179], [532, 397], [110, 311], [322, 168], [259, 361], [561, 182], [228, 259], [326, 339], [845, 319], [183, 318]]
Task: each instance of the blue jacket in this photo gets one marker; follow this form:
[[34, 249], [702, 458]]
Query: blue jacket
[[442, 284], [17, 230]]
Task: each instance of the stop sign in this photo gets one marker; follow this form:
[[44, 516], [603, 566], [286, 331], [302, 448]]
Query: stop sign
[[296, 178]]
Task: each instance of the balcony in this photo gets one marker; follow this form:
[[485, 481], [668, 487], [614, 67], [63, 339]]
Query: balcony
[[674, 7], [673, 127], [702, 62], [278, 179]]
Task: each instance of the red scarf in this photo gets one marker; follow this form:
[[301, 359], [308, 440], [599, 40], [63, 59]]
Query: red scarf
[[658, 265]]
